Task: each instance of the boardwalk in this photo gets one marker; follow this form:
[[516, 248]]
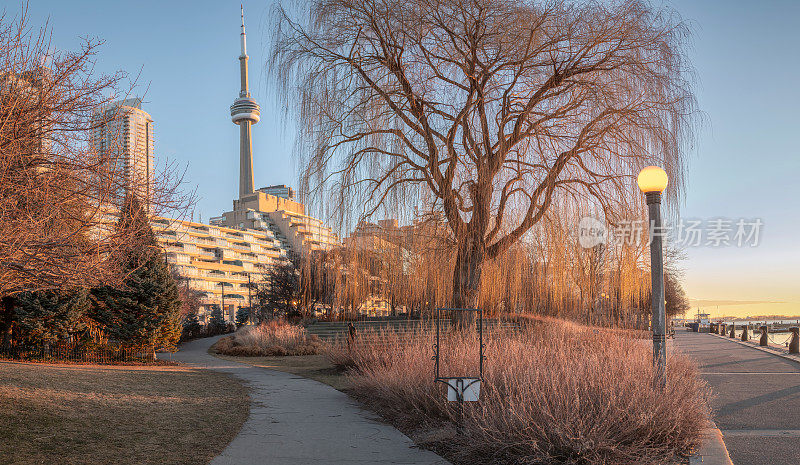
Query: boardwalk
[[297, 421], [757, 398]]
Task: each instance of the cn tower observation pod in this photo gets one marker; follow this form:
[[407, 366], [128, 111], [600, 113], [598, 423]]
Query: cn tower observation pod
[[245, 109]]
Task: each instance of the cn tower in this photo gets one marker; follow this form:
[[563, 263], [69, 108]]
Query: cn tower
[[245, 112]]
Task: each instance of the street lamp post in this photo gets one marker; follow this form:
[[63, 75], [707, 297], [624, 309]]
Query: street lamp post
[[222, 284], [652, 181], [249, 299]]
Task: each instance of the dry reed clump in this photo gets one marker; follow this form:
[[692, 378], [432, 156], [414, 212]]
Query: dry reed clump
[[275, 337], [557, 394]]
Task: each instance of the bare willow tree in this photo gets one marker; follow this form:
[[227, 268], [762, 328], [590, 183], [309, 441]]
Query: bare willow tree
[[485, 110], [58, 193]]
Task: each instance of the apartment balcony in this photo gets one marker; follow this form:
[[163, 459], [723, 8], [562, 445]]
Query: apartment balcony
[[206, 253], [226, 254], [195, 230], [178, 259]]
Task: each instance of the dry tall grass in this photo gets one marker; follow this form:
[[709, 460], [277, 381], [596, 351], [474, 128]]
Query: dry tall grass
[[275, 337], [553, 393]]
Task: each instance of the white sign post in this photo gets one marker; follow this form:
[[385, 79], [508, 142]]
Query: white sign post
[[460, 388], [463, 389]]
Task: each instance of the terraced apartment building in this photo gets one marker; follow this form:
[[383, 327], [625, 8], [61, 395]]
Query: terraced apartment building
[[217, 260], [238, 249], [282, 214]]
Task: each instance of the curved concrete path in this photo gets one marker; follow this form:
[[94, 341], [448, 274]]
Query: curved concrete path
[[294, 420]]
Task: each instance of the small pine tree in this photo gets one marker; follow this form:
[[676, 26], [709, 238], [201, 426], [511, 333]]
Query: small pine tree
[[242, 316], [191, 327], [146, 308], [280, 291], [50, 316], [217, 323]]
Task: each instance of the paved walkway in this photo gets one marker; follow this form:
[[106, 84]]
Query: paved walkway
[[295, 420], [757, 398]]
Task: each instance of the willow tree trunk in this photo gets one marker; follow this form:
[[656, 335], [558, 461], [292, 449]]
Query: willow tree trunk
[[470, 258]]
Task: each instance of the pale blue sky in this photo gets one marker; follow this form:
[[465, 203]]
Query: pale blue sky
[[745, 52]]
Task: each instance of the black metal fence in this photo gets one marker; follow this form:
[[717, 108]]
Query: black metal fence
[[106, 354]]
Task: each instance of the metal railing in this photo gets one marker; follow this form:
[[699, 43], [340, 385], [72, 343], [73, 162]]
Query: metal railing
[[79, 352], [766, 334]]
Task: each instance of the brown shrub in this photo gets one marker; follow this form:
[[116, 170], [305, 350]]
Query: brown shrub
[[275, 337], [559, 393]]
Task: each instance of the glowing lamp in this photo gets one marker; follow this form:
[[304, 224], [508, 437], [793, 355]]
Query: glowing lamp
[[652, 179]]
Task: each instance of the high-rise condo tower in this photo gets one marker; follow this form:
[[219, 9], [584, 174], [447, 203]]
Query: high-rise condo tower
[[245, 112], [123, 130]]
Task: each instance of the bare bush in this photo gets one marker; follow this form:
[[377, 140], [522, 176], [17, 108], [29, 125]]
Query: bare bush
[[275, 337], [555, 393]]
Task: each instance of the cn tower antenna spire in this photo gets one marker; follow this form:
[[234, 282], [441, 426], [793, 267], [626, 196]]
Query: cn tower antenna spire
[[244, 40], [245, 112]]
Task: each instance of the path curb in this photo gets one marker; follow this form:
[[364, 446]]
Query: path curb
[[713, 450]]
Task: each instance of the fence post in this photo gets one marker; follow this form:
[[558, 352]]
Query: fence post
[[764, 336], [733, 331], [351, 336], [794, 344], [745, 335], [722, 328], [712, 328]]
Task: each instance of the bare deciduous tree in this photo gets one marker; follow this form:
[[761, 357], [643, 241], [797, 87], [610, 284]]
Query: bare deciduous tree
[[58, 193], [488, 111]]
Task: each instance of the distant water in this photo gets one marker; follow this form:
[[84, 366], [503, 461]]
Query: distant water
[[780, 339], [745, 310]]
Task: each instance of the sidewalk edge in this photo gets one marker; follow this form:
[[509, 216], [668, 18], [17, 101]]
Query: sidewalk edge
[[713, 450]]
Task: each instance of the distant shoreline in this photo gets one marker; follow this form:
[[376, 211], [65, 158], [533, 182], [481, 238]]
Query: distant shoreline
[[740, 310], [756, 317], [722, 303]]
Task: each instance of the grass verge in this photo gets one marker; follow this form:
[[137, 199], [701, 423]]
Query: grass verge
[[92, 414], [316, 367]]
